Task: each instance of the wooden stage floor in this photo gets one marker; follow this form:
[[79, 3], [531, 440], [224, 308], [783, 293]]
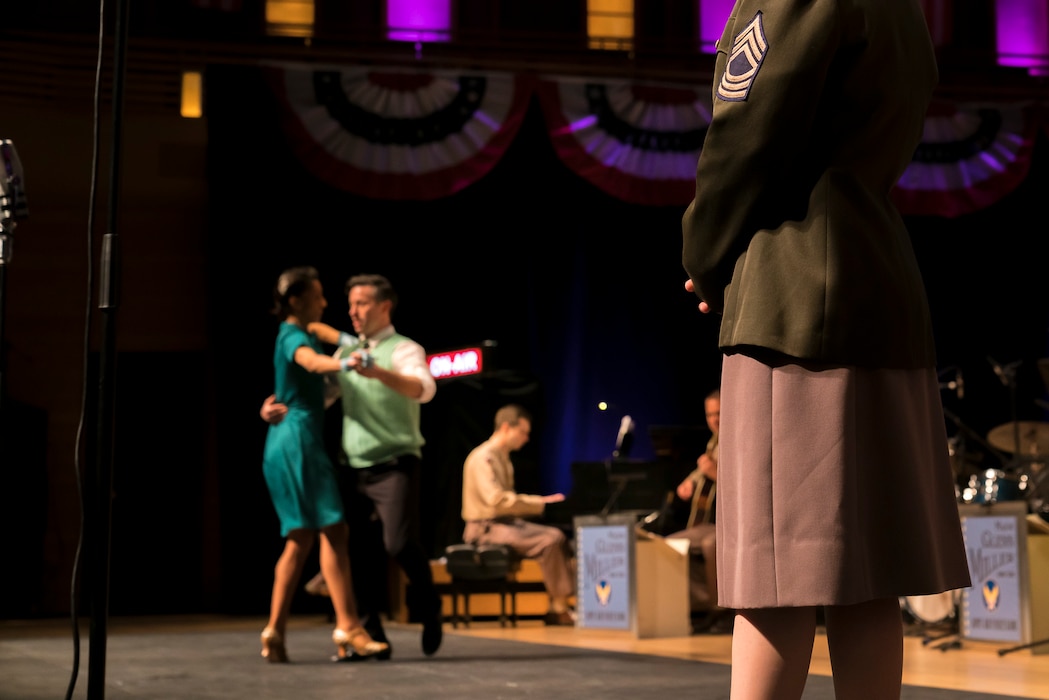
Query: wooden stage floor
[[974, 667]]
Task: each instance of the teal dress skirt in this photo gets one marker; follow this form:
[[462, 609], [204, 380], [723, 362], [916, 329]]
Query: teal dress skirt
[[300, 476]]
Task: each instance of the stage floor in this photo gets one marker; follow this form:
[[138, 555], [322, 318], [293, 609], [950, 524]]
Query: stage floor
[[963, 665], [217, 657]]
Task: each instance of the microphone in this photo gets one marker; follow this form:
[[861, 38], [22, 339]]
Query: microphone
[[998, 371], [1004, 374], [623, 439], [957, 384], [12, 192], [367, 359]]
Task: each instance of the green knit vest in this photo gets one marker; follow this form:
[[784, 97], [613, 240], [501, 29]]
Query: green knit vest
[[378, 424]]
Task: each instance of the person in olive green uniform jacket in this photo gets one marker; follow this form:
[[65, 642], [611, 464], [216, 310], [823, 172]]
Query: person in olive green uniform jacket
[[828, 380]]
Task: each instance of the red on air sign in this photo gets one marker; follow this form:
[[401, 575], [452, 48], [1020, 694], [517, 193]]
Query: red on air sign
[[455, 363]]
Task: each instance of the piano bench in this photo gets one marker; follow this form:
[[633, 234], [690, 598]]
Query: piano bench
[[484, 568]]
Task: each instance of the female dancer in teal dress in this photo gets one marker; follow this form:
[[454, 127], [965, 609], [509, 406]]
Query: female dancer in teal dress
[[300, 476]]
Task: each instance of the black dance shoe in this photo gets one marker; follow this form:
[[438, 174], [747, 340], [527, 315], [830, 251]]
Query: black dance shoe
[[433, 629]]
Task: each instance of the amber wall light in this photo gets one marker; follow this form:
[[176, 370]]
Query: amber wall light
[[192, 95], [294, 18]]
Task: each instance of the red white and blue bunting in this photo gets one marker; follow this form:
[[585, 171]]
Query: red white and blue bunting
[[969, 158], [413, 135], [402, 135], [636, 142]]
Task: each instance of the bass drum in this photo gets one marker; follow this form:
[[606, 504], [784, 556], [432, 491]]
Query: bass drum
[[932, 609]]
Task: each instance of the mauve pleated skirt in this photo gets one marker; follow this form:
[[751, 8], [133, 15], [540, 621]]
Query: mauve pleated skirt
[[834, 486]]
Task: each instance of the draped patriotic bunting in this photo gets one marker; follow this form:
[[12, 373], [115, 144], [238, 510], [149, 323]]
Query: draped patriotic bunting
[[637, 142], [389, 134], [404, 135], [969, 158]]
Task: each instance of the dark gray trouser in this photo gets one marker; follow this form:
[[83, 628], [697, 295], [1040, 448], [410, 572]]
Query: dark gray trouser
[[388, 493]]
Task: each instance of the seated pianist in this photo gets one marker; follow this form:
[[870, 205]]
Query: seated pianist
[[495, 513]]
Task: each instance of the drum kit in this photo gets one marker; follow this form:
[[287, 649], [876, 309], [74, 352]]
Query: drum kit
[[1022, 477], [1022, 449]]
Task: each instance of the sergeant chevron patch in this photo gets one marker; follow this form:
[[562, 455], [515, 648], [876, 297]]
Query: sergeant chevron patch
[[748, 51]]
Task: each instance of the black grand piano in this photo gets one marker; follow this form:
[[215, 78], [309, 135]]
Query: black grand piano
[[634, 486]]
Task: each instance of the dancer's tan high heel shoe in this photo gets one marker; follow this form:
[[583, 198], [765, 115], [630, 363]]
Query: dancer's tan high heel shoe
[[273, 646], [357, 640]]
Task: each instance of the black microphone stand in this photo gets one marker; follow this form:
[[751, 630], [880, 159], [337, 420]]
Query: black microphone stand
[[620, 482], [976, 436], [6, 227], [1007, 375], [12, 208], [99, 525]]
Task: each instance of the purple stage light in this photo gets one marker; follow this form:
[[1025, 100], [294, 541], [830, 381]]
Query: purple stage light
[[418, 20], [1022, 34], [712, 17]]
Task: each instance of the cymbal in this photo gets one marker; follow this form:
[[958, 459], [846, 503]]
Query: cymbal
[[1034, 437]]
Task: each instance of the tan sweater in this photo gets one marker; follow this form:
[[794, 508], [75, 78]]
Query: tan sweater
[[488, 487]]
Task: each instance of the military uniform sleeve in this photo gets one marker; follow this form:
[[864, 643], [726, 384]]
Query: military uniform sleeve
[[773, 58]]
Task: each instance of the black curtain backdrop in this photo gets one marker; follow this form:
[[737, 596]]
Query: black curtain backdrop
[[582, 293]]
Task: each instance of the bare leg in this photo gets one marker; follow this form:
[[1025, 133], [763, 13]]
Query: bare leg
[[335, 566], [348, 635], [286, 576], [771, 652], [866, 649]]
